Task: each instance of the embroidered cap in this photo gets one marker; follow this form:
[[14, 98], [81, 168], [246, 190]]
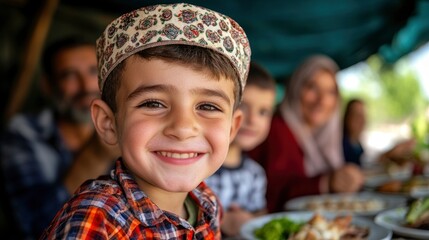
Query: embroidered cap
[[167, 24]]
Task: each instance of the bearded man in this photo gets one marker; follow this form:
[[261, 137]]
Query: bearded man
[[45, 157]]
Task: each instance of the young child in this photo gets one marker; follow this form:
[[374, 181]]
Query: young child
[[171, 78], [240, 183]]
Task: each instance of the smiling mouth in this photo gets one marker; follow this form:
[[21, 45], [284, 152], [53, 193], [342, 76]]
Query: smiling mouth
[[178, 155]]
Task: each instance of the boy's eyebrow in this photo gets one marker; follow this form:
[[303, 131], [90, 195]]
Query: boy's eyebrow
[[148, 88], [212, 93], [166, 88]]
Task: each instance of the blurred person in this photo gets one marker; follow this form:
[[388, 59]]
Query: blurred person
[[46, 156], [302, 154], [241, 182], [354, 124]]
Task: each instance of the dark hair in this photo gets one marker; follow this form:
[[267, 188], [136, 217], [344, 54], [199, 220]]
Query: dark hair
[[53, 49], [260, 77], [347, 111], [197, 57]]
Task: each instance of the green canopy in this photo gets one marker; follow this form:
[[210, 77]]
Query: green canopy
[[284, 32]]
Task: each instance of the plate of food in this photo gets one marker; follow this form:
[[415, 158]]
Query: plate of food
[[299, 225], [412, 221], [358, 204], [377, 180], [416, 186], [381, 172]]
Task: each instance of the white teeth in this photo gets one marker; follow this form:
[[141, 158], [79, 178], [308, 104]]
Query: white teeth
[[178, 155]]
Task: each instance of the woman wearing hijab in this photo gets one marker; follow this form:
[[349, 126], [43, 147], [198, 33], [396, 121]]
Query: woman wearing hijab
[[302, 154]]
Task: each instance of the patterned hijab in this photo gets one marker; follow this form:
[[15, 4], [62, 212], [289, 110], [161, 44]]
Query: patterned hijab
[[322, 148]]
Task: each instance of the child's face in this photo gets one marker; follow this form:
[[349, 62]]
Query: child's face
[[173, 124], [356, 120], [257, 106]]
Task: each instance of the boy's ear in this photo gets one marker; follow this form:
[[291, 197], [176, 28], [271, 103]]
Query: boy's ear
[[104, 121], [237, 119]]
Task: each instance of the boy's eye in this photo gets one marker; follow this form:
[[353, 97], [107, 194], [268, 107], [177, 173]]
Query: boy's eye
[[265, 112], [208, 107], [151, 104]]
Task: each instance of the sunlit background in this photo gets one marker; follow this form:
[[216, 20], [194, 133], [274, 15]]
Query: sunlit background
[[387, 126]]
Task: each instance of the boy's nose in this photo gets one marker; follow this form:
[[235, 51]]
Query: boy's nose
[[250, 116], [182, 125]]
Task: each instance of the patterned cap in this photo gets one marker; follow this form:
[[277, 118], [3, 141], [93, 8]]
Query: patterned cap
[[167, 24]]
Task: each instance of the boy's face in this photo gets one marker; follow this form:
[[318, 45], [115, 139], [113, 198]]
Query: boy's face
[[173, 124], [257, 107]]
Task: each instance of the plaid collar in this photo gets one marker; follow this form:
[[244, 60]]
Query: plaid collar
[[150, 214]]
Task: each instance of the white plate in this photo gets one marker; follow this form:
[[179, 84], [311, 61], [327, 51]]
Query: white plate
[[393, 219], [376, 232], [386, 202], [375, 181], [416, 192]]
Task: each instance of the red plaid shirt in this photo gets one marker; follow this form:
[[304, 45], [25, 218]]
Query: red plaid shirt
[[115, 208]]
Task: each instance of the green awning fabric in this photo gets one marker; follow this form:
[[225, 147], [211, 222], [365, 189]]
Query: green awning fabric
[[284, 32]]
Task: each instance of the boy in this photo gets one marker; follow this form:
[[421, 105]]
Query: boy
[[240, 183], [171, 78]]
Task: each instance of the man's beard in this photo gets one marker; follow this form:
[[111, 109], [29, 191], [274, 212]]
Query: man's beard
[[69, 109]]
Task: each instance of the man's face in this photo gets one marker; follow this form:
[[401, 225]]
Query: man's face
[[75, 72], [173, 124]]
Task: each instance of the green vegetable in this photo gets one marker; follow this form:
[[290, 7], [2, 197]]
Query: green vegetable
[[277, 229], [420, 132], [417, 208]]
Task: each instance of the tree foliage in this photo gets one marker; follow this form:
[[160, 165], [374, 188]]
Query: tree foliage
[[392, 92]]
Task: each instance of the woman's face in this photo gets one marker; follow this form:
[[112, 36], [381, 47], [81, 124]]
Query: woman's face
[[319, 97]]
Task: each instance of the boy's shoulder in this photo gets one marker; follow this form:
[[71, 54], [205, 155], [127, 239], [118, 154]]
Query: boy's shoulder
[[105, 198], [103, 193], [97, 208], [107, 194], [103, 206]]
